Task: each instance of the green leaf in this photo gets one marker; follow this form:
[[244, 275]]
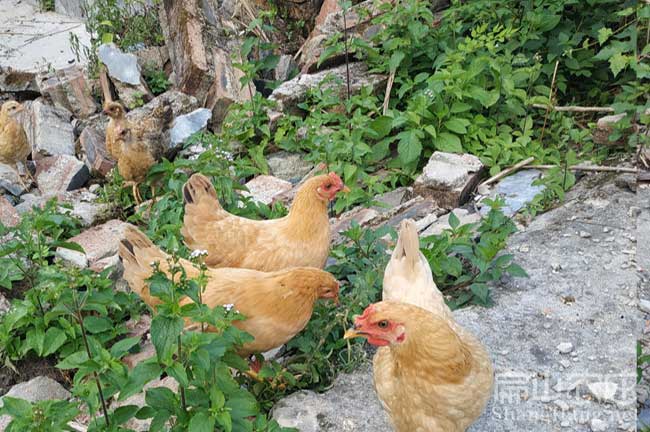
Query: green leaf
[[161, 398], [73, 361], [124, 414], [409, 147], [177, 371], [516, 270], [604, 34], [395, 60], [143, 373], [381, 126], [225, 420], [54, 339], [122, 347], [457, 125], [481, 291], [448, 142], [95, 324], [164, 333], [618, 62], [454, 222], [201, 422], [17, 408]]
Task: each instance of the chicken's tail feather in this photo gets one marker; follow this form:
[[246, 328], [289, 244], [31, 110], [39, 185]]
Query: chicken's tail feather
[[197, 187], [408, 244], [138, 253]]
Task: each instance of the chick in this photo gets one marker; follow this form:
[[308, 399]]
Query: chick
[[14, 146], [134, 161], [116, 125]]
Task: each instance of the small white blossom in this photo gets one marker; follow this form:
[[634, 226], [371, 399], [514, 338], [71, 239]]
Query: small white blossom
[[197, 253], [229, 307]]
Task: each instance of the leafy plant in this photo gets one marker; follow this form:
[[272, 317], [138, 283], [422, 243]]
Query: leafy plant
[[156, 80], [49, 415]]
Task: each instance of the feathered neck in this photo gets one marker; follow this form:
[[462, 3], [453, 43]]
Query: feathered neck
[[433, 349], [308, 213]]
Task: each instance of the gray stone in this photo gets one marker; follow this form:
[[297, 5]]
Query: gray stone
[[10, 181], [185, 126], [343, 222], [17, 82], [565, 347], [73, 257], [100, 242], [286, 65], [449, 178], [603, 391], [392, 199], [517, 190], [68, 89], [39, 389], [34, 41], [62, 173], [290, 93], [598, 425], [603, 322], [49, 130], [442, 223], [96, 157], [644, 305], [8, 214], [288, 166], [84, 205], [265, 188], [351, 405]]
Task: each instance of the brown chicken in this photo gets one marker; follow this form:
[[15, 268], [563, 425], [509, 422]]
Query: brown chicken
[[428, 376], [134, 162], [276, 305], [14, 146], [302, 238], [117, 124]]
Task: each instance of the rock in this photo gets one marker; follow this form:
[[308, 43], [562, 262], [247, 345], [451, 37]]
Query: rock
[[584, 234], [441, 224], [360, 215], [35, 41], [60, 173], [35, 390], [288, 166], [180, 104], [265, 188], [96, 157], [17, 82], [644, 305], [392, 199], [290, 93], [139, 327], [598, 425], [449, 178], [415, 209], [200, 56], [337, 410], [10, 181], [565, 347], [603, 391], [49, 130], [517, 190], [84, 205], [605, 127], [187, 125], [152, 57], [139, 400], [99, 242], [124, 72], [285, 68], [8, 214], [68, 88], [76, 258]]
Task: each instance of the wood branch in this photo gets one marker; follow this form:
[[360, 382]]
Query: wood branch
[[105, 84], [573, 108], [507, 171], [589, 168], [389, 88]]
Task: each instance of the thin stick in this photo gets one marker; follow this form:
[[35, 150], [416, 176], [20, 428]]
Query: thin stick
[[573, 108], [550, 101], [589, 168], [347, 62], [507, 171], [389, 88], [106, 87]]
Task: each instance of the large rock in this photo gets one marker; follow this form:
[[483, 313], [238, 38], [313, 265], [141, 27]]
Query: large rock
[[62, 173], [185, 126], [49, 130], [35, 390], [11, 182], [84, 205], [69, 89], [265, 188], [200, 54], [581, 291], [517, 191], [8, 214], [98, 243], [449, 178], [605, 127], [17, 82], [96, 157], [290, 93], [124, 73], [287, 166], [34, 41]]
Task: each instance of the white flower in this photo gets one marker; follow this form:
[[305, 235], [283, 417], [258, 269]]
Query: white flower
[[229, 307], [197, 253]]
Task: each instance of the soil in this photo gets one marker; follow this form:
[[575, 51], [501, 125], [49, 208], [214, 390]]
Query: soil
[[31, 367]]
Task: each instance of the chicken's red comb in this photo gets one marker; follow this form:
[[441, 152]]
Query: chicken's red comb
[[366, 313], [335, 178]]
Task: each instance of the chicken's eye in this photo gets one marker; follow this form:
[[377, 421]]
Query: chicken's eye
[[327, 185], [382, 324]]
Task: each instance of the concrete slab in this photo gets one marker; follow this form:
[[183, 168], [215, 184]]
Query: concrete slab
[[33, 41]]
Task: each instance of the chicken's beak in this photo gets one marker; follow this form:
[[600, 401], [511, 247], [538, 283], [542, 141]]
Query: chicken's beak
[[345, 189], [352, 333]]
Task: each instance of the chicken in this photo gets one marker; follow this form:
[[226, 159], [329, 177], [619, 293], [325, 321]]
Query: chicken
[[133, 144], [117, 124], [428, 376], [408, 277], [302, 238], [14, 146], [276, 305]]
